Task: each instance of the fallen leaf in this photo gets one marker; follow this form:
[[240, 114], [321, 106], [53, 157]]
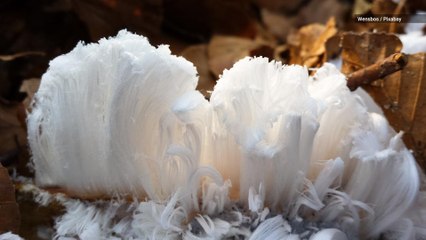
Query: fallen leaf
[[360, 50], [307, 46], [333, 47], [224, 51], [402, 95], [385, 7], [197, 54], [406, 96]]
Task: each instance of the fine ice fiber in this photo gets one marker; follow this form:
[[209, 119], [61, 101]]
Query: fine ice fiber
[[273, 154]]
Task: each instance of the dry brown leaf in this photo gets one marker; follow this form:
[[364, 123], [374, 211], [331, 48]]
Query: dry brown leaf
[[318, 46], [381, 7], [224, 51], [414, 84], [402, 95], [360, 50], [404, 101], [9, 217], [333, 47], [197, 54], [307, 46]]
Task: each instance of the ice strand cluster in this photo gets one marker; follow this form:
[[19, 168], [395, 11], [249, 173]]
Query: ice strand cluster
[[122, 118]]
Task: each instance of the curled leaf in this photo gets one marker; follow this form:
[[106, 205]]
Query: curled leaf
[[307, 46]]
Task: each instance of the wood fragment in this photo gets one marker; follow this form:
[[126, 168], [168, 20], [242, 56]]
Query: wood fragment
[[389, 65]]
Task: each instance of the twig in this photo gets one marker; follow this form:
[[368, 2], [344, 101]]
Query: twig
[[391, 64]]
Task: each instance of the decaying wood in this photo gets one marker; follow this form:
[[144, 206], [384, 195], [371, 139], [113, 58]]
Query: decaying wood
[[376, 71], [9, 211]]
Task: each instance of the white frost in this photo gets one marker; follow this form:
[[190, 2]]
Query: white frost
[[302, 153]]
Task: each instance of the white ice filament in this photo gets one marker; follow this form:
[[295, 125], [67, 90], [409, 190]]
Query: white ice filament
[[298, 153]]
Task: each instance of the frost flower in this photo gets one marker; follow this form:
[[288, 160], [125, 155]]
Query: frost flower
[[274, 154]]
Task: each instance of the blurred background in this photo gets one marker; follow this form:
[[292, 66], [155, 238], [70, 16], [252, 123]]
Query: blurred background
[[34, 32]]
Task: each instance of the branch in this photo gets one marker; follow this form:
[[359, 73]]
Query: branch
[[389, 65]]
